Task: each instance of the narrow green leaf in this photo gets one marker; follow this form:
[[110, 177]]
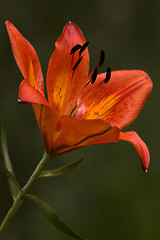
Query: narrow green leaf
[[10, 175], [13, 184], [52, 216], [62, 170]]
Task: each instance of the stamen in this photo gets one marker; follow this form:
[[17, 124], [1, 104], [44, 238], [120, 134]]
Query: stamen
[[75, 48], [84, 46], [108, 75], [102, 56], [94, 76], [100, 62], [77, 63]]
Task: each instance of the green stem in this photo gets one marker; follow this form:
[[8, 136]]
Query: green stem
[[36, 173], [19, 199], [17, 202]]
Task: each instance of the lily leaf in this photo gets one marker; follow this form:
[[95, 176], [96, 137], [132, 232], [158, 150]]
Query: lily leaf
[[52, 216], [62, 170], [7, 167], [10, 175]]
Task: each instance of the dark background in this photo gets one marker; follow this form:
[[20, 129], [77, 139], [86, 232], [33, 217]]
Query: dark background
[[108, 196]]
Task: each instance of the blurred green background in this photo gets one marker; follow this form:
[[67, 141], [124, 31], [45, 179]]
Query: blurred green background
[[108, 196]]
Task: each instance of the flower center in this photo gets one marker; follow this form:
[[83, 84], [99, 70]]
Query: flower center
[[94, 72], [91, 78]]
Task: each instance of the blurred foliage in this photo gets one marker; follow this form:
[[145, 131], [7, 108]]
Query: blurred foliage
[[108, 196]]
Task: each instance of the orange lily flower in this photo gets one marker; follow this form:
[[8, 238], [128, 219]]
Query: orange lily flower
[[81, 109]]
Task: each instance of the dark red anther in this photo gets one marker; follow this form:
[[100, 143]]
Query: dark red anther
[[77, 63], [108, 75], [84, 46], [102, 57], [94, 75], [75, 48]]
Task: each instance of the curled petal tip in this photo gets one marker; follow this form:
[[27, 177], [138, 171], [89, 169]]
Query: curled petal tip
[[19, 100], [140, 146], [145, 168]]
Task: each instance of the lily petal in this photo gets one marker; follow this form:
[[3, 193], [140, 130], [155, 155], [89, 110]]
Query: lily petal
[[140, 146], [80, 133], [26, 58], [28, 94], [119, 101], [64, 83], [49, 124]]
